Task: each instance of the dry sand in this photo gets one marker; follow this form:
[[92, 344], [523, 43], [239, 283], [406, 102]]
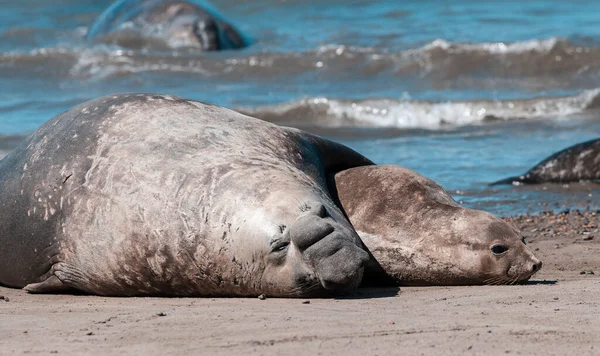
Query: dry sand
[[558, 313]]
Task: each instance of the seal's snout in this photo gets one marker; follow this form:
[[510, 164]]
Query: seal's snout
[[329, 247], [535, 266], [343, 271], [344, 287], [205, 29]]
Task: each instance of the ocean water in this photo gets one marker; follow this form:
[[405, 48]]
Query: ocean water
[[465, 92]]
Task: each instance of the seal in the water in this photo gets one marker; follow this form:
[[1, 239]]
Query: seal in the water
[[178, 23], [140, 194], [421, 236], [580, 162]]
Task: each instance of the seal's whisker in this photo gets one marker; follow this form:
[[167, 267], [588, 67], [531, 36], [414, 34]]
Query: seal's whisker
[[517, 280], [303, 288], [498, 280], [493, 280]]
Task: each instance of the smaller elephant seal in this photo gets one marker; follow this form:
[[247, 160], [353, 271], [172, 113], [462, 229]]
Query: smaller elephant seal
[[580, 162], [170, 23], [421, 236]]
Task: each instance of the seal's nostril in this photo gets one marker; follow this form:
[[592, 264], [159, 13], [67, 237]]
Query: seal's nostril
[[536, 266]]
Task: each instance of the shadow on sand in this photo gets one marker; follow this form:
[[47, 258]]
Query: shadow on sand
[[390, 292], [372, 293], [544, 282]]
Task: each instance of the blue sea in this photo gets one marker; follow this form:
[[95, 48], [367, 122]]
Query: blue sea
[[465, 92]]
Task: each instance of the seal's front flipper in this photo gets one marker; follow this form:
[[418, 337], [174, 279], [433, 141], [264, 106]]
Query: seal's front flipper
[[60, 278], [50, 285]]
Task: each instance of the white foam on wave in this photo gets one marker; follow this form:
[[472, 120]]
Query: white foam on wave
[[542, 46], [103, 62], [414, 114], [409, 114]]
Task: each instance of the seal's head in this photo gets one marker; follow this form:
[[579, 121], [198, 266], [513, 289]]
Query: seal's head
[[203, 28], [193, 31], [316, 254], [487, 250], [421, 236]]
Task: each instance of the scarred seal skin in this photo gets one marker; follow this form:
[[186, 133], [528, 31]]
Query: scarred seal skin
[[420, 236], [154, 195], [580, 162], [176, 23]]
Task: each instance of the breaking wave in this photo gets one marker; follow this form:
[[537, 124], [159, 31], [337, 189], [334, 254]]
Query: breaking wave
[[440, 61], [410, 114]]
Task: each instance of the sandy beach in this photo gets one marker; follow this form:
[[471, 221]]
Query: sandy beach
[[554, 314]]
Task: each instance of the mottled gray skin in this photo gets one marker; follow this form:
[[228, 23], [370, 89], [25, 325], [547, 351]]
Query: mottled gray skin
[[140, 195], [177, 23], [421, 236], [580, 162]]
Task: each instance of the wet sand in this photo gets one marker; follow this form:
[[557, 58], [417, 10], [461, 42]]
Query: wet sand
[[557, 313]]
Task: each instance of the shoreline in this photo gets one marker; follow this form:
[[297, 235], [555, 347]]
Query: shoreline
[[579, 225]]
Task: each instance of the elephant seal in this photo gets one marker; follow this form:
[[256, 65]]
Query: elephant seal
[[580, 162], [421, 236], [174, 23], [154, 195]]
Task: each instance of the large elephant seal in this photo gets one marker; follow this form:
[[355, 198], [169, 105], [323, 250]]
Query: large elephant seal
[[170, 23], [580, 162], [421, 236], [141, 194]]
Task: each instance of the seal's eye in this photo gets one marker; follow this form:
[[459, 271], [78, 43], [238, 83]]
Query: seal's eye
[[280, 246], [499, 249]]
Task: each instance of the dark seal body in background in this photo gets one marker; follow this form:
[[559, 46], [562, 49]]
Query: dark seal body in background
[[141, 194], [171, 23], [580, 162]]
